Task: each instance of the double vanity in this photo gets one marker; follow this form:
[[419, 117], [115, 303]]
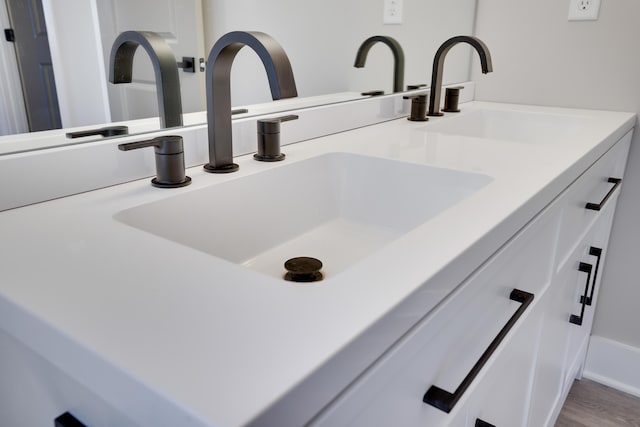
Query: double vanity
[[461, 271]]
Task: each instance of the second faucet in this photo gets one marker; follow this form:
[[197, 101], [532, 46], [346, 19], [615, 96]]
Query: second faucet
[[218, 87]]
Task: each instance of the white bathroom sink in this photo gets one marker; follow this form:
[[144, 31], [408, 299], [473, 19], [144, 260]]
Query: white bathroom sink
[[512, 125], [336, 207]]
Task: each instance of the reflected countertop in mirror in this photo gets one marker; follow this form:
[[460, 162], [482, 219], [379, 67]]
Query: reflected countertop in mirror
[[25, 142], [321, 47]]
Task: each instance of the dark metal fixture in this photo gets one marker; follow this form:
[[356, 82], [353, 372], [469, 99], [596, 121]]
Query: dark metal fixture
[[188, 64], [598, 206], [451, 99], [418, 108], [398, 57], [445, 400], [165, 68], [269, 138], [105, 132], [438, 66], [303, 270], [218, 70], [169, 160], [575, 319]]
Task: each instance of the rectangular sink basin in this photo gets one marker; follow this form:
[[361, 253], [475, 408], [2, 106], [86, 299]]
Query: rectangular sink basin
[[336, 207], [510, 125]]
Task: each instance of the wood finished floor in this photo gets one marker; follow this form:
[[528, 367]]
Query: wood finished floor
[[590, 404]]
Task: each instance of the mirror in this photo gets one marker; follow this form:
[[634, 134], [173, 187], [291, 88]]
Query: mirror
[[320, 38]]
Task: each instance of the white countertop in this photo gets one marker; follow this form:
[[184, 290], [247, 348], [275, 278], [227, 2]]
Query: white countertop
[[174, 336]]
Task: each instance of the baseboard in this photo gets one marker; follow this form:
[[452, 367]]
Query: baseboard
[[613, 364]]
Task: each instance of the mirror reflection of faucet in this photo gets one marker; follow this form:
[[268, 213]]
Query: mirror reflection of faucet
[[398, 58], [164, 65]]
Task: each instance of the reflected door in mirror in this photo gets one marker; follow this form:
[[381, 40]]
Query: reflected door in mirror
[[179, 22]]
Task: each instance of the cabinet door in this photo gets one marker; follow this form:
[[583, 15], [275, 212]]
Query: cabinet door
[[502, 396], [591, 252], [563, 344], [450, 347]]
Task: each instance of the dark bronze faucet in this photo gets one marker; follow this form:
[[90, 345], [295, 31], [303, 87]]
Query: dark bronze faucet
[[164, 67], [281, 82], [398, 57], [438, 65]]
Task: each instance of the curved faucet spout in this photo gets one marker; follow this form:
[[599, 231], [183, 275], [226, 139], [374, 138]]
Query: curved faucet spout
[[164, 66], [438, 65], [281, 81], [398, 58]]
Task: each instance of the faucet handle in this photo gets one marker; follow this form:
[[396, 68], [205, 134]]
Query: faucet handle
[[416, 86], [169, 160], [451, 98], [269, 138], [418, 107]]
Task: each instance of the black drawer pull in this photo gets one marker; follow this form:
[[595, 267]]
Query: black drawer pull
[[67, 420], [585, 268], [481, 423], [596, 252], [444, 400], [598, 206]]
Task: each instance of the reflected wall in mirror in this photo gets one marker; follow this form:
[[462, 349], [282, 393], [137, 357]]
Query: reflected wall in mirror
[[321, 45]]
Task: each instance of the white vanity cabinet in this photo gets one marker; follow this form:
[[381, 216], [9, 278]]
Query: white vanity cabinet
[[461, 321], [525, 380], [34, 392], [462, 337], [580, 255]]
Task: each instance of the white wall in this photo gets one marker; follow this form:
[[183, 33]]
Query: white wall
[[540, 58], [321, 39]]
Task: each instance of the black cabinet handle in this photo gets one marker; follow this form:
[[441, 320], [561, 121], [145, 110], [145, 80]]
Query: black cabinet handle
[[585, 268], [481, 423], [67, 420], [597, 206], [106, 132], [596, 252], [445, 400]]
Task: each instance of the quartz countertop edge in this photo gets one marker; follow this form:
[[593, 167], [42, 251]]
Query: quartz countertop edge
[[195, 340]]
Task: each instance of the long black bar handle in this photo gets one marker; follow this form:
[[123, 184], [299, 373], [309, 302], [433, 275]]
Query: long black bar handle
[[444, 400], [596, 252], [585, 268], [67, 420], [481, 423], [106, 132], [598, 206]]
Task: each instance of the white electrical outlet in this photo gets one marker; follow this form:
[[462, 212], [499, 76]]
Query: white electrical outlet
[[584, 10], [392, 12]]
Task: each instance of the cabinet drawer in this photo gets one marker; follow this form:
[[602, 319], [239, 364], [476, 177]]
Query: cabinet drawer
[[443, 348], [594, 187], [563, 344]]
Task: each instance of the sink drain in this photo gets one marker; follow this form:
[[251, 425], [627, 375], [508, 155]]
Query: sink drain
[[303, 269]]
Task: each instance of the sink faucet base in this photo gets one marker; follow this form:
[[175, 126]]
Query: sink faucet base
[[232, 167]]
